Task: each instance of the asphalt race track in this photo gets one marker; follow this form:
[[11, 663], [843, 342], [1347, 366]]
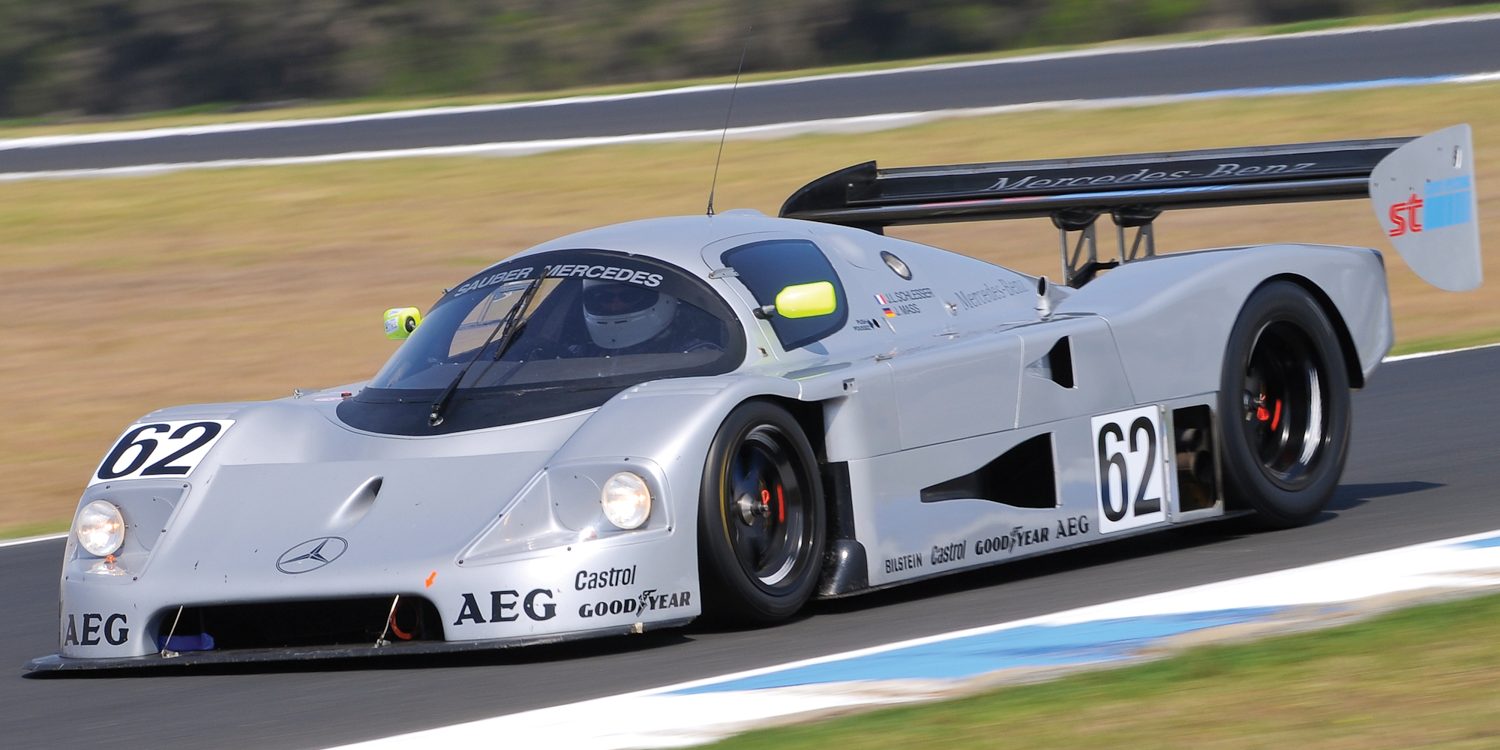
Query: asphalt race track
[[1392, 53], [1422, 467]]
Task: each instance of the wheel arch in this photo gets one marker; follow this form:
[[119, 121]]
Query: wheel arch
[[1178, 308], [1340, 327], [844, 564]]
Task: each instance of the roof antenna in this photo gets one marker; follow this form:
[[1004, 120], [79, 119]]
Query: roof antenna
[[725, 132]]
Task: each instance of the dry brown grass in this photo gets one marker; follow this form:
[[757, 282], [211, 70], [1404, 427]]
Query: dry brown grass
[[134, 293]]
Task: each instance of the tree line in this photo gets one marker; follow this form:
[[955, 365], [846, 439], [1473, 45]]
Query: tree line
[[111, 57]]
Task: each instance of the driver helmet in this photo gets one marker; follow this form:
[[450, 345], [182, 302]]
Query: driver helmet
[[620, 314]]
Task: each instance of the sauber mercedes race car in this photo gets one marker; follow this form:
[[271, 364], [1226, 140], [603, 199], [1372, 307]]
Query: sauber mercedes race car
[[629, 427]]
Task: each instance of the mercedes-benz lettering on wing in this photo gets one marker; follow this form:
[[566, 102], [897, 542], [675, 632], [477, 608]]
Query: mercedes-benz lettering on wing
[[628, 427]]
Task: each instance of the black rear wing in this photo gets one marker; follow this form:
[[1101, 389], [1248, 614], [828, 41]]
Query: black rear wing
[[1132, 189]]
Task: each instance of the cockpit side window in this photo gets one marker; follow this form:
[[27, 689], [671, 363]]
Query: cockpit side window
[[767, 267]]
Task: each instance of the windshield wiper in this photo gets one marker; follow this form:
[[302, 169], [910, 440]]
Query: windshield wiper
[[510, 324]]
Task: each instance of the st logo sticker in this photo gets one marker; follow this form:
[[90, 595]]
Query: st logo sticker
[[160, 450], [1131, 483]]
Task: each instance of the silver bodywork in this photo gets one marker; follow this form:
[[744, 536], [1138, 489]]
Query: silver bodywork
[[490, 526]]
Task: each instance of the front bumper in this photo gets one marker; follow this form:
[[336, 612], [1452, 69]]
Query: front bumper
[[56, 663]]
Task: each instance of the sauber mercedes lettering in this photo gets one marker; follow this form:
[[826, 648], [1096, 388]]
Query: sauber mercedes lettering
[[630, 427]]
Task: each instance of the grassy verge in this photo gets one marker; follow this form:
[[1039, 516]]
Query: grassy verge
[[1361, 686], [126, 295], [1460, 340], [209, 114], [22, 531]]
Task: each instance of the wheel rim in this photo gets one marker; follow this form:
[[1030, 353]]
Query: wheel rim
[[1286, 403], [765, 513]]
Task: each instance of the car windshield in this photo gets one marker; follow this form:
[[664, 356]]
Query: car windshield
[[597, 321]]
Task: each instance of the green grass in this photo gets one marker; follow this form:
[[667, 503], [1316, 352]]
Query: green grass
[[1441, 343], [21, 531], [1427, 676], [213, 113]]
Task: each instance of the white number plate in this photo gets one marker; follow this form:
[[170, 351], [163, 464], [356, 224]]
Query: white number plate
[[160, 450], [1132, 483]]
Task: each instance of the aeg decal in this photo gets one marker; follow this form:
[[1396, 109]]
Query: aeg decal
[[1443, 203], [112, 628], [1075, 526], [536, 605]]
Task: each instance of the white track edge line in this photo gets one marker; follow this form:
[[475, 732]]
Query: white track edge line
[[33, 539], [1121, 49]]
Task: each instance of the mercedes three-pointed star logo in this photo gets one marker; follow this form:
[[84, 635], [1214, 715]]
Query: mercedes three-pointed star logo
[[311, 555]]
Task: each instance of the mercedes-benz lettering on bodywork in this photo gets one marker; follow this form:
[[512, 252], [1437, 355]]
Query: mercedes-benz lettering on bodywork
[[624, 428]]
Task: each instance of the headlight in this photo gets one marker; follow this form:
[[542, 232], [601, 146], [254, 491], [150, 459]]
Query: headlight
[[101, 528], [626, 500]]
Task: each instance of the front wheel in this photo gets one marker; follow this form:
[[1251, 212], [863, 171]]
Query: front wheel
[[1283, 407], [760, 518]]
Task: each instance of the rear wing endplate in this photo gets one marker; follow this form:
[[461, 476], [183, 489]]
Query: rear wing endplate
[[1422, 190]]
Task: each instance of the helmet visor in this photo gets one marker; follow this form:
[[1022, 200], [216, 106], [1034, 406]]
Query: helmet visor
[[613, 298]]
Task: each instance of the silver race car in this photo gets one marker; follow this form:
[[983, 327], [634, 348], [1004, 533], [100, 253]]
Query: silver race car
[[628, 427]]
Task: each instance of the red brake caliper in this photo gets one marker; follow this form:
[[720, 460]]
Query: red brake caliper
[[1267, 415]]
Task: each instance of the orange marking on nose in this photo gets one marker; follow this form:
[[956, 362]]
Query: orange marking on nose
[[430, 578]]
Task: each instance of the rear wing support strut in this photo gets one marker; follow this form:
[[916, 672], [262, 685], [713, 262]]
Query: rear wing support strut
[[1079, 241]]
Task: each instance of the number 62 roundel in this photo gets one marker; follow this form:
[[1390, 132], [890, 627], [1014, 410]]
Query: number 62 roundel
[[1130, 455], [169, 449]]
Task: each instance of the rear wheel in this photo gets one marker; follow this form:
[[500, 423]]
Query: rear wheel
[[1283, 407], [761, 517]]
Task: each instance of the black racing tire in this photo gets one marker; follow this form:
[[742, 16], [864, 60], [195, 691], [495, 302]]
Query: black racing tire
[[760, 518], [1283, 407]]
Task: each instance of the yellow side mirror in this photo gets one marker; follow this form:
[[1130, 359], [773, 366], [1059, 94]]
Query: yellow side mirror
[[401, 321], [807, 300]]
